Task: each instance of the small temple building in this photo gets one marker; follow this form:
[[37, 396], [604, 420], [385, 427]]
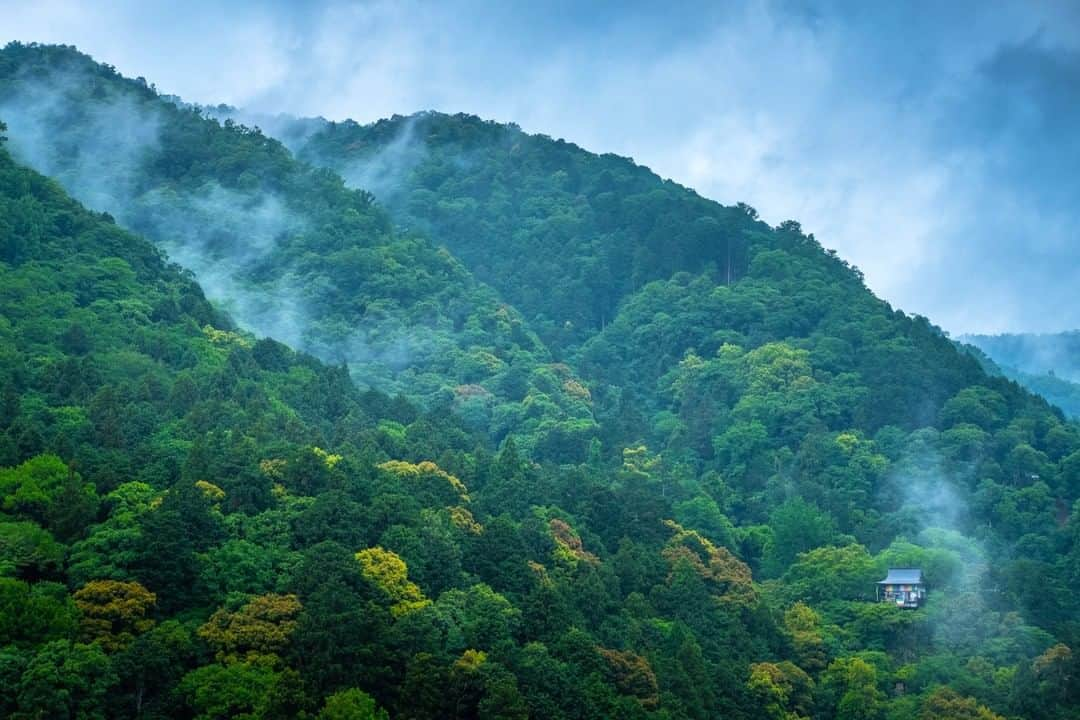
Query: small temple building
[[902, 586]]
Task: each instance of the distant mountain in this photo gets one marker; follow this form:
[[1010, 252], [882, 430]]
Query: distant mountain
[[519, 210], [1036, 354], [1046, 364]]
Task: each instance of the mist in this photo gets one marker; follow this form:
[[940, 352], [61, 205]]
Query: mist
[[214, 232], [934, 506], [928, 496], [100, 149], [1034, 354], [382, 173], [95, 158]]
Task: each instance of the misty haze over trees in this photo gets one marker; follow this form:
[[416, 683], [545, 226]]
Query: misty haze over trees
[[435, 418]]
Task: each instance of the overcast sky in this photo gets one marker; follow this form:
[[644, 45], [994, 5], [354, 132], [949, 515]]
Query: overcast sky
[[936, 146]]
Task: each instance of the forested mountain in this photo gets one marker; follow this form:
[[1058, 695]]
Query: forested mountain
[[689, 445], [518, 209], [287, 249], [721, 330], [1046, 364]]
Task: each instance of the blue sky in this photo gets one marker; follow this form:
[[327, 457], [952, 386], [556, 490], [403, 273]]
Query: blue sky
[[934, 145]]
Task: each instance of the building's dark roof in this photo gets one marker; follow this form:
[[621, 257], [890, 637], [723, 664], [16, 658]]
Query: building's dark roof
[[903, 576]]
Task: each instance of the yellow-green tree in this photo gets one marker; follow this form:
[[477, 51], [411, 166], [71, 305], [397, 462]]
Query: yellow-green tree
[[947, 704], [261, 627], [351, 704], [632, 675], [803, 626], [728, 578], [782, 689], [853, 683], [427, 481], [114, 612], [389, 573]]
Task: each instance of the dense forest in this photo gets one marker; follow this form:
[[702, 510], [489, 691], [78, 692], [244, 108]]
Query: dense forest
[[433, 418]]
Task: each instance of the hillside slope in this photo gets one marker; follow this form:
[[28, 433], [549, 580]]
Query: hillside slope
[[519, 209], [674, 277], [199, 523], [287, 249], [758, 369], [774, 438]]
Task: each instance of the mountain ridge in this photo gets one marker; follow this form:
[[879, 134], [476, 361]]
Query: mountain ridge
[[290, 250]]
